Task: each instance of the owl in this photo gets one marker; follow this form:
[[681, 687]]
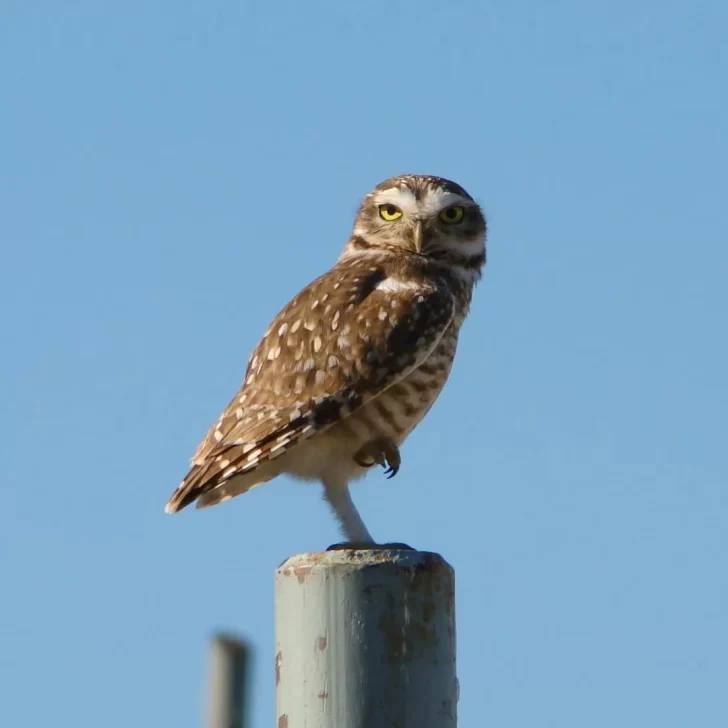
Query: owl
[[353, 363]]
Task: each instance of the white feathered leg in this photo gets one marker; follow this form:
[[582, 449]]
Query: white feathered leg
[[352, 526]]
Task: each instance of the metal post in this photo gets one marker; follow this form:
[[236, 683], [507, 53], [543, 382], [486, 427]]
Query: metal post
[[365, 639], [228, 676]]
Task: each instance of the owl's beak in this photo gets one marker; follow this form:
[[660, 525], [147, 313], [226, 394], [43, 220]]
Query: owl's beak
[[418, 235]]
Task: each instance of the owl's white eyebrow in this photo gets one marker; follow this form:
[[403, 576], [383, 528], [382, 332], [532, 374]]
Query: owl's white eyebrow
[[437, 199], [399, 196]]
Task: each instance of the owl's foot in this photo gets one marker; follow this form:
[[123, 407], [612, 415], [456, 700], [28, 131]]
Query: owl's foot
[[381, 451], [354, 546]]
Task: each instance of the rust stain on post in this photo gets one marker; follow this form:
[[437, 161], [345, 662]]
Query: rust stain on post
[[279, 659], [321, 643], [300, 572], [283, 721]]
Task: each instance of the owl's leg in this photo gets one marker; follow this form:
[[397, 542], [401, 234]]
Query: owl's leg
[[352, 526], [381, 451]]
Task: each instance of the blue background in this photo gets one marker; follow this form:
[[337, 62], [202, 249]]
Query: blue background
[[173, 172]]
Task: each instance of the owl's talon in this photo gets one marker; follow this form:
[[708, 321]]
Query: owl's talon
[[381, 451], [392, 459], [366, 546]]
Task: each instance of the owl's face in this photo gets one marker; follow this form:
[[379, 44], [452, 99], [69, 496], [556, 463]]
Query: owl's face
[[429, 216]]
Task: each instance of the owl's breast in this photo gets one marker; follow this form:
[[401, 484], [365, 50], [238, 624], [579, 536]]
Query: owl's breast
[[401, 407]]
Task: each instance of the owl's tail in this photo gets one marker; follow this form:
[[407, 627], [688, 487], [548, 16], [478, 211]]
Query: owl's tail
[[231, 488], [208, 491]]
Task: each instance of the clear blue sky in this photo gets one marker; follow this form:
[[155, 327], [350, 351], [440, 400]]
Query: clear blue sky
[[172, 173]]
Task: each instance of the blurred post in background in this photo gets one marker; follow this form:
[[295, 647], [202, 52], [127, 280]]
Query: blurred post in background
[[228, 678]]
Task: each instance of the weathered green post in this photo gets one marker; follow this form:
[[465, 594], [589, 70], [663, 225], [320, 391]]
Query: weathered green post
[[365, 638]]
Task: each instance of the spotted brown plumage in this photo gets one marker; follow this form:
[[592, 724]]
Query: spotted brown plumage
[[356, 359]]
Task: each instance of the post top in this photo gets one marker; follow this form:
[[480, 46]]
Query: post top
[[358, 558]]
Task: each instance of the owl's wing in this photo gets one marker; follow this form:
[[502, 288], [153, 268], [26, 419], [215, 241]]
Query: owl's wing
[[340, 343]]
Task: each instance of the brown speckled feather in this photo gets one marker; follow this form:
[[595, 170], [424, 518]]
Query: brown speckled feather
[[338, 344]]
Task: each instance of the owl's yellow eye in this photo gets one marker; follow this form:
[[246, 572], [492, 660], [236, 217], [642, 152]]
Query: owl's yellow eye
[[452, 214], [389, 212]]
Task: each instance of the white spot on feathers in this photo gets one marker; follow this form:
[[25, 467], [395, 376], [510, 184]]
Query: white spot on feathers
[[394, 285], [306, 432], [278, 448], [253, 458]]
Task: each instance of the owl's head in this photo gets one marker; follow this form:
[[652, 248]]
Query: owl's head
[[429, 216]]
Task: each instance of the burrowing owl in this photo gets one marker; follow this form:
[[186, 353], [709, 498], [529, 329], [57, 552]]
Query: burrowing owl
[[353, 363]]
